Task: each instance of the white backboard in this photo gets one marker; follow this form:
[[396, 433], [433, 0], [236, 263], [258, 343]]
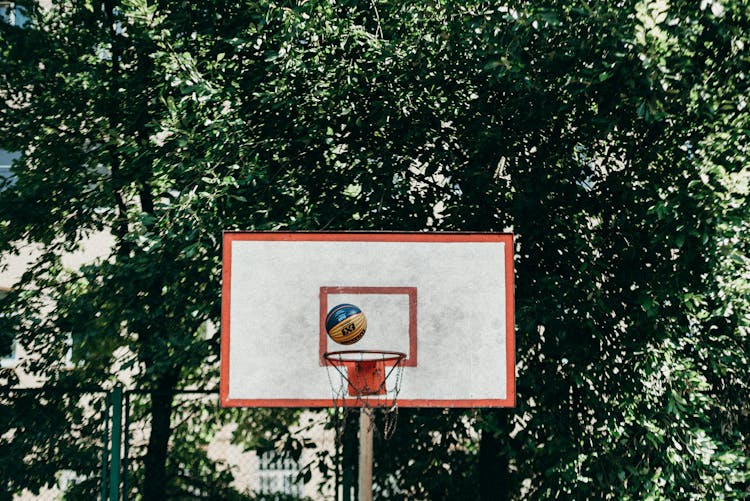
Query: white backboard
[[444, 299]]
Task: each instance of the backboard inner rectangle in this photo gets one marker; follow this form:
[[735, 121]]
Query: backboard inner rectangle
[[391, 317]]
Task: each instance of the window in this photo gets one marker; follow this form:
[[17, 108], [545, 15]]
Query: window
[[13, 14], [6, 159], [10, 356], [8, 348], [278, 475]]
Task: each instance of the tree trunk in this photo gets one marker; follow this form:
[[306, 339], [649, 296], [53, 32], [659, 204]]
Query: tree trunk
[[493, 468], [154, 483]]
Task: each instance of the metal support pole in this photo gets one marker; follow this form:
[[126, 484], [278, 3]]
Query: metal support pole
[[338, 445], [114, 469], [349, 453], [365, 455], [105, 448]]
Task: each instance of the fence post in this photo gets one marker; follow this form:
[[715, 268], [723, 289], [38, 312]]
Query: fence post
[[126, 448], [114, 468]]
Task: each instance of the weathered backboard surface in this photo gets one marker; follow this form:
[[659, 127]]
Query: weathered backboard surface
[[444, 299]]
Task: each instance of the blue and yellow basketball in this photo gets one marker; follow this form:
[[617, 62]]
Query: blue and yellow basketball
[[346, 324]]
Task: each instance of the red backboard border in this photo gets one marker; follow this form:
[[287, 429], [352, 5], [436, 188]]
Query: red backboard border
[[507, 239]]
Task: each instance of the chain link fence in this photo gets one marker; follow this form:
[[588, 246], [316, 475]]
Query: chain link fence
[[52, 443], [62, 445]]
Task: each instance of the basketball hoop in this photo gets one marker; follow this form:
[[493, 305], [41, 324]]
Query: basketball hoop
[[369, 379]]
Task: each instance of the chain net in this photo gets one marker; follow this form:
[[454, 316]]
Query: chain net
[[367, 380]]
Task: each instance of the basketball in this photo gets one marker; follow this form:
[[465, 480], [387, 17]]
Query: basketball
[[346, 324]]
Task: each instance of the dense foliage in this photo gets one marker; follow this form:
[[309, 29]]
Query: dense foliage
[[610, 137]]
